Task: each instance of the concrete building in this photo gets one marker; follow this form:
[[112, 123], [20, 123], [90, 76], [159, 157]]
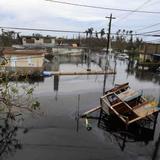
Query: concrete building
[[147, 50], [38, 41], [23, 61]]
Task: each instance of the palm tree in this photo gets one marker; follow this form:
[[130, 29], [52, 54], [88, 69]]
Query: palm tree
[[19, 38], [96, 33], [90, 31], [86, 33], [102, 32]]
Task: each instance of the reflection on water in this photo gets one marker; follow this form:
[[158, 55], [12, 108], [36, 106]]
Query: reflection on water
[[141, 74], [143, 131], [126, 69], [73, 85], [54, 65], [147, 76], [56, 84]]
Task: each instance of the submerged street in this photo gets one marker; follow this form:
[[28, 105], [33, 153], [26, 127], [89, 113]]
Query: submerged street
[[79, 80], [53, 134]]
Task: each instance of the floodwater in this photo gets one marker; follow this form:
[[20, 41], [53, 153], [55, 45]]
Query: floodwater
[[57, 134]]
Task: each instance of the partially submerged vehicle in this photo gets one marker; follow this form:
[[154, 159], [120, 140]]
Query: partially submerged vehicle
[[129, 105], [122, 56]]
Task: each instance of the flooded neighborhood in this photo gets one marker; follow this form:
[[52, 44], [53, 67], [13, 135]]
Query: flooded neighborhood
[[75, 85]]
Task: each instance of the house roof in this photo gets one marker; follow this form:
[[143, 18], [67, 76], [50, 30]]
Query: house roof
[[24, 52]]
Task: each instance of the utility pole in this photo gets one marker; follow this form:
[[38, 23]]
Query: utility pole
[[107, 50], [109, 32]]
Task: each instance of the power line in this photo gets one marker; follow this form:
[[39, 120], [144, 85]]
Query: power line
[[140, 34], [65, 31], [103, 8], [135, 10], [137, 34], [149, 26], [150, 32], [41, 29], [153, 3], [149, 35], [154, 40]]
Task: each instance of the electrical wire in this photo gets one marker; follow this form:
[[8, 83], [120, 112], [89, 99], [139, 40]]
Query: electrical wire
[[41, 29], [150, 32], [135, 10], [103, 8], [149, 26], [95, 7], [153, 40], [52, 30], [153, 3]]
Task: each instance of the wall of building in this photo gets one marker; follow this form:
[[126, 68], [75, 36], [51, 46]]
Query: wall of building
[[145, 57], [66, 50], [148, 48], [38, 42], [24, 60]]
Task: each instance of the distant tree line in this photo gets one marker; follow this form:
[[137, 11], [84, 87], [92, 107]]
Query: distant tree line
[[124, 39], [120, 41], [96, 40], [8, 38]]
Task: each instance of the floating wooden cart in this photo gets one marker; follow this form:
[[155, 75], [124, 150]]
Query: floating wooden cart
[[129, 105]]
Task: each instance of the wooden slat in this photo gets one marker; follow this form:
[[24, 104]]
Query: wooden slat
[[115, 89], [117, 104], [90, 111]]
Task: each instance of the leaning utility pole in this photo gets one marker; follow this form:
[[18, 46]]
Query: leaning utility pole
[[107, 50]]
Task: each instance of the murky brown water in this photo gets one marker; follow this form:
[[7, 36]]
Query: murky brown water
[[53, 135]]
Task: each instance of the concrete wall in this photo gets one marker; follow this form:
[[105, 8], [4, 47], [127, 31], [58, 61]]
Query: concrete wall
[[148, 48], [65, 50], [24, 60], [144, 57], [38, 42]]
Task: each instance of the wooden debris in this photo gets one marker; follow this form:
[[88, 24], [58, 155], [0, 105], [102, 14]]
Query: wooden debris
[[129, 105], [90, 111]]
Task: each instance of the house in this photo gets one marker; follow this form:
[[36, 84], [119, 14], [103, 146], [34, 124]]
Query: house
[[149, 57], [38, 41], [23, 61], [147, 50]]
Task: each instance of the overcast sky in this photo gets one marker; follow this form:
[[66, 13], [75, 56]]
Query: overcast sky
[[44, 14]]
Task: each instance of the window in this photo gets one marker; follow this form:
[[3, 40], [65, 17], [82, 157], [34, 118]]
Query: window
[[29, 59], [47, 40], [29, 40]]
